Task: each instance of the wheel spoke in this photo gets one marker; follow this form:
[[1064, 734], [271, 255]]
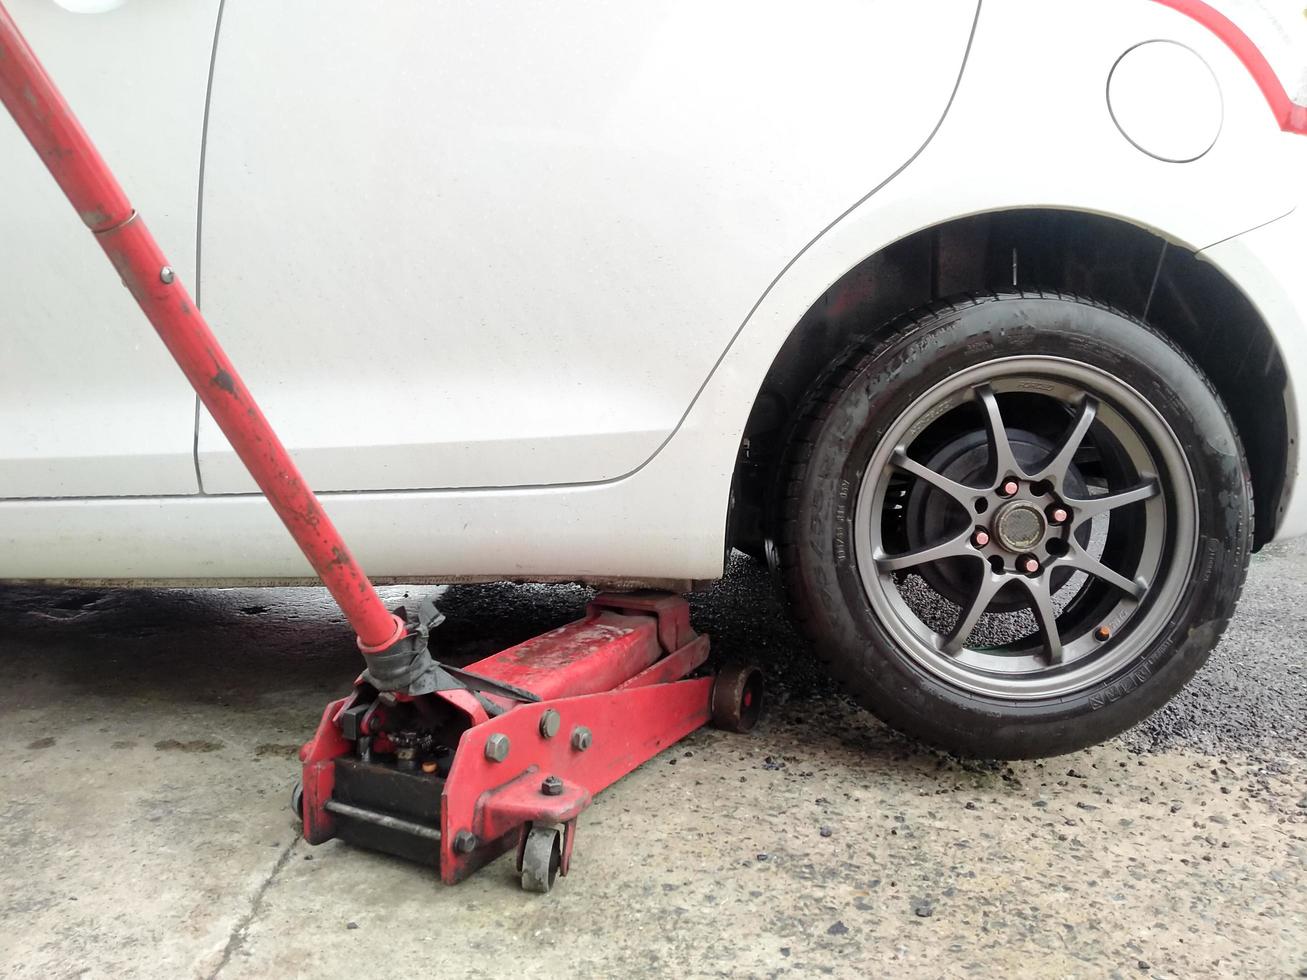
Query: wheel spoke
[[1045, 616], [975, 554], [969, 616], [1000, 450], [959, 492], [953, 548], [1083, 561], [1055, 469], [1091, 507]]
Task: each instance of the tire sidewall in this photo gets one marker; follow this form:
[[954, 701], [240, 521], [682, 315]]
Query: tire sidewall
[[882, 385]]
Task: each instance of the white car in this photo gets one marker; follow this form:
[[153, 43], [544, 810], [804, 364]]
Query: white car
[[983, 324]]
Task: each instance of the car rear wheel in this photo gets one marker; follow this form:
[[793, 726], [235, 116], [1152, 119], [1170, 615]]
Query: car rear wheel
[[1017, 526]]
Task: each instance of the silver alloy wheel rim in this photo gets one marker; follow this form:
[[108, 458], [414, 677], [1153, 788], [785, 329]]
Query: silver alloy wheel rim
[[1074, 655]]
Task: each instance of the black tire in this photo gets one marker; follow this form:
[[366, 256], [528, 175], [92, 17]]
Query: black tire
[[846, 418]]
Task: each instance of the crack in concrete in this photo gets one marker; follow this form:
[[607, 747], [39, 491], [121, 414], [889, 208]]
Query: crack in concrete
[[238, 934]]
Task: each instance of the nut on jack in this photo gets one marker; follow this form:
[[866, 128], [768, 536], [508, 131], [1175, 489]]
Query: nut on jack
[[497, 747]]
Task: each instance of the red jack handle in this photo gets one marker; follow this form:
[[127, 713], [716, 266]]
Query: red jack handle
[[72, 159]]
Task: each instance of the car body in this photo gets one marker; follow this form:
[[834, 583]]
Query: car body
[[534, 293]]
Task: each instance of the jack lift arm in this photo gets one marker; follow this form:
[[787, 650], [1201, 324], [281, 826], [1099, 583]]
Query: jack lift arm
[[422, 759]]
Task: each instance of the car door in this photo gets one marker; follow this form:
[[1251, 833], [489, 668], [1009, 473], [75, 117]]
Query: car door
[[90, 403], [484, 243]]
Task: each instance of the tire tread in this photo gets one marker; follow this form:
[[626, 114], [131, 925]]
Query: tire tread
[[843, 371]]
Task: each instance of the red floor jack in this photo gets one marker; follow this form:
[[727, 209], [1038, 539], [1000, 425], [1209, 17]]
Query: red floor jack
[[422, 759]]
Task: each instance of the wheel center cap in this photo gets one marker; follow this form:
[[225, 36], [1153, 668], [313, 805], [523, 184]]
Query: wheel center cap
[[1019, 526]]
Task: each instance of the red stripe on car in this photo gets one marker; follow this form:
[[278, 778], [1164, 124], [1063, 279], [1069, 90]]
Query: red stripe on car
[[1291, 116]]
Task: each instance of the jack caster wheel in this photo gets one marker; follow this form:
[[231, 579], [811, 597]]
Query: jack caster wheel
[[297, 801], [540, 859], [737, 698]]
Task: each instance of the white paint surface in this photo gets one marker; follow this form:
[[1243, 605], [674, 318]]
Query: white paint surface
[[589, 351], [90, 402]]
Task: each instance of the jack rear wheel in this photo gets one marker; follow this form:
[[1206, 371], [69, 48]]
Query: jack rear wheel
[[541, 858], [737, 698]]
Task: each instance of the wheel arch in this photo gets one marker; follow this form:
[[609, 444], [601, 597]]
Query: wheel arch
[[1164, 282]]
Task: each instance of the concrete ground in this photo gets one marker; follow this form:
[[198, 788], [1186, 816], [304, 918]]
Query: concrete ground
[[149, 741]]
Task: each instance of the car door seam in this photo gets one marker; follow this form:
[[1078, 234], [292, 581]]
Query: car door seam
[[199, 227]]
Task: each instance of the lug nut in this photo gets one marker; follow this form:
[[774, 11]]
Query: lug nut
[[1009, 487], [497, 747], [980, 538], [1029, 565], [1058, 515], [552, 786], [1102, 634]]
